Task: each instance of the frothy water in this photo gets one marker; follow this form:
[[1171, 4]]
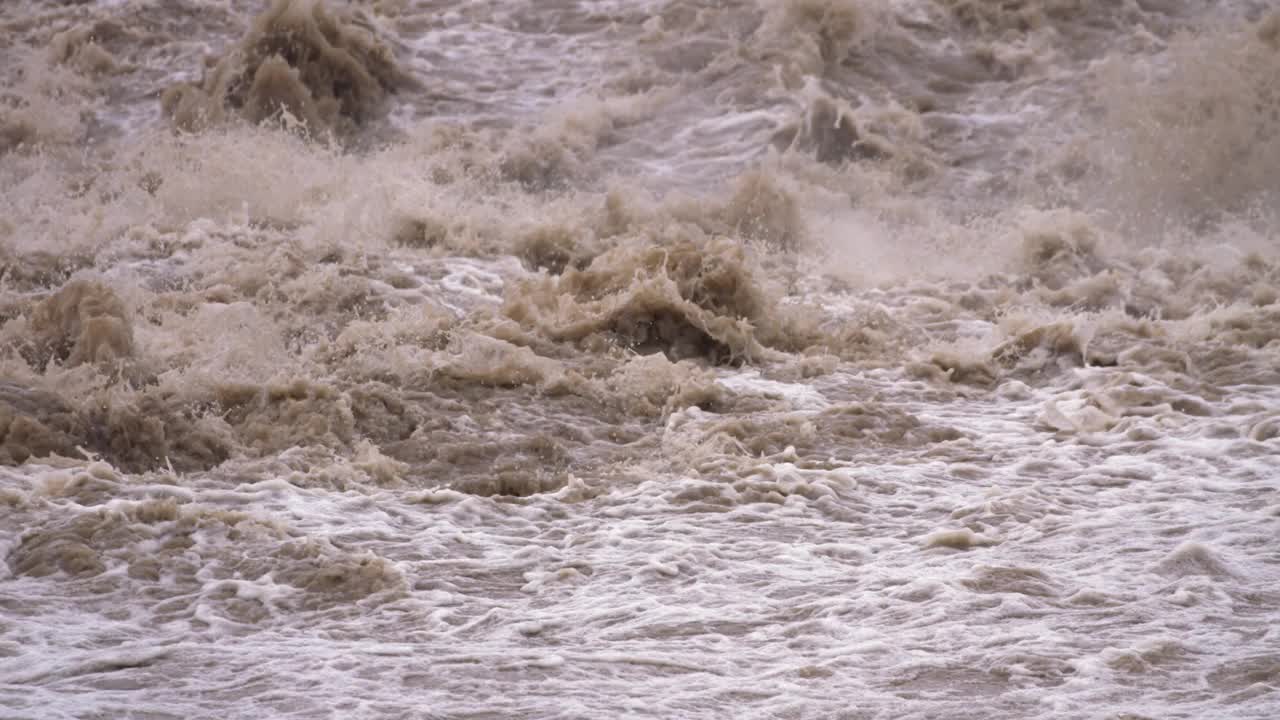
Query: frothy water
[[669, 358]]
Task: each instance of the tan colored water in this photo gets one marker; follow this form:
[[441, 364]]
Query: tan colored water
[[667, 358]]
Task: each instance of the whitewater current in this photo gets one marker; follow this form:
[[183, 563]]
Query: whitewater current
[[639, 359]]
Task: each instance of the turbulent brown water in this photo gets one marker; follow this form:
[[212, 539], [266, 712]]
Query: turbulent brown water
[[664, 358]]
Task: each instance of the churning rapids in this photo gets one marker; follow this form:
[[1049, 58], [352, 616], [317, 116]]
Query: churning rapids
[[639, 358]]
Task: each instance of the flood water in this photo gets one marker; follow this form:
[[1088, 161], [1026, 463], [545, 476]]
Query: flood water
[[639, 359]]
